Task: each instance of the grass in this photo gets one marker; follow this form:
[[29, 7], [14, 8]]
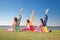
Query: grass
[[4, 35]]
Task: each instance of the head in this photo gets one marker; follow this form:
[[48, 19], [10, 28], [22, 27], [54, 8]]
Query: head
[[28, 21], [41, 21], [15, 19]]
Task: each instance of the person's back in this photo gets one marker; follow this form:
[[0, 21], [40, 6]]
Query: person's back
[[12, 27], [40, 26], [27, 26]]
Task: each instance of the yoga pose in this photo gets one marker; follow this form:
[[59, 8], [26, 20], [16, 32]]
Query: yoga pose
[[42, 26], [29, 25], [16, 23]]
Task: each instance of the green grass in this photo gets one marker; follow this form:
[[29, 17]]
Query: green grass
[[4, 35]]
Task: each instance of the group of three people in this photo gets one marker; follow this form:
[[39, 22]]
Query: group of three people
[[40, 28], [27, 27]]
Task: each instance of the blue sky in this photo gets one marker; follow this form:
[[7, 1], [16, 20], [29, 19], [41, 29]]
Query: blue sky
[[11, 8]]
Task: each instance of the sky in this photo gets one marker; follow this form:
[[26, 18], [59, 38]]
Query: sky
[[11, 8]]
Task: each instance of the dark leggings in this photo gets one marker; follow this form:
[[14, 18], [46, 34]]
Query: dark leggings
[[45, 20]]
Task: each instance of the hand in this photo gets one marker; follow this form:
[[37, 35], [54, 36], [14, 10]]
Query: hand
[[47, 11]]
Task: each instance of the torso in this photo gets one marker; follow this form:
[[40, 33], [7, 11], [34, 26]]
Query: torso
[[28, 26], [14, 24]]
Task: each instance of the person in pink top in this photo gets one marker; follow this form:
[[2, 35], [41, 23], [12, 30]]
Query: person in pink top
[[43, 23], [40, 26], [27, 26], [12, 27]]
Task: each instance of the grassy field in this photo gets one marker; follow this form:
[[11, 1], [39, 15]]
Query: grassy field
[[4, 35]]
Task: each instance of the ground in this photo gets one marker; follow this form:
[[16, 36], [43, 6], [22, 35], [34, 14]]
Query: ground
[[4, 35]]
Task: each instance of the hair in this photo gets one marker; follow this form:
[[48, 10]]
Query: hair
[[41, 20], [28, 20], [15, 19]]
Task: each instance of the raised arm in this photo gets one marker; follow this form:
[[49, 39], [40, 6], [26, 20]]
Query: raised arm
[[46, 18]]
